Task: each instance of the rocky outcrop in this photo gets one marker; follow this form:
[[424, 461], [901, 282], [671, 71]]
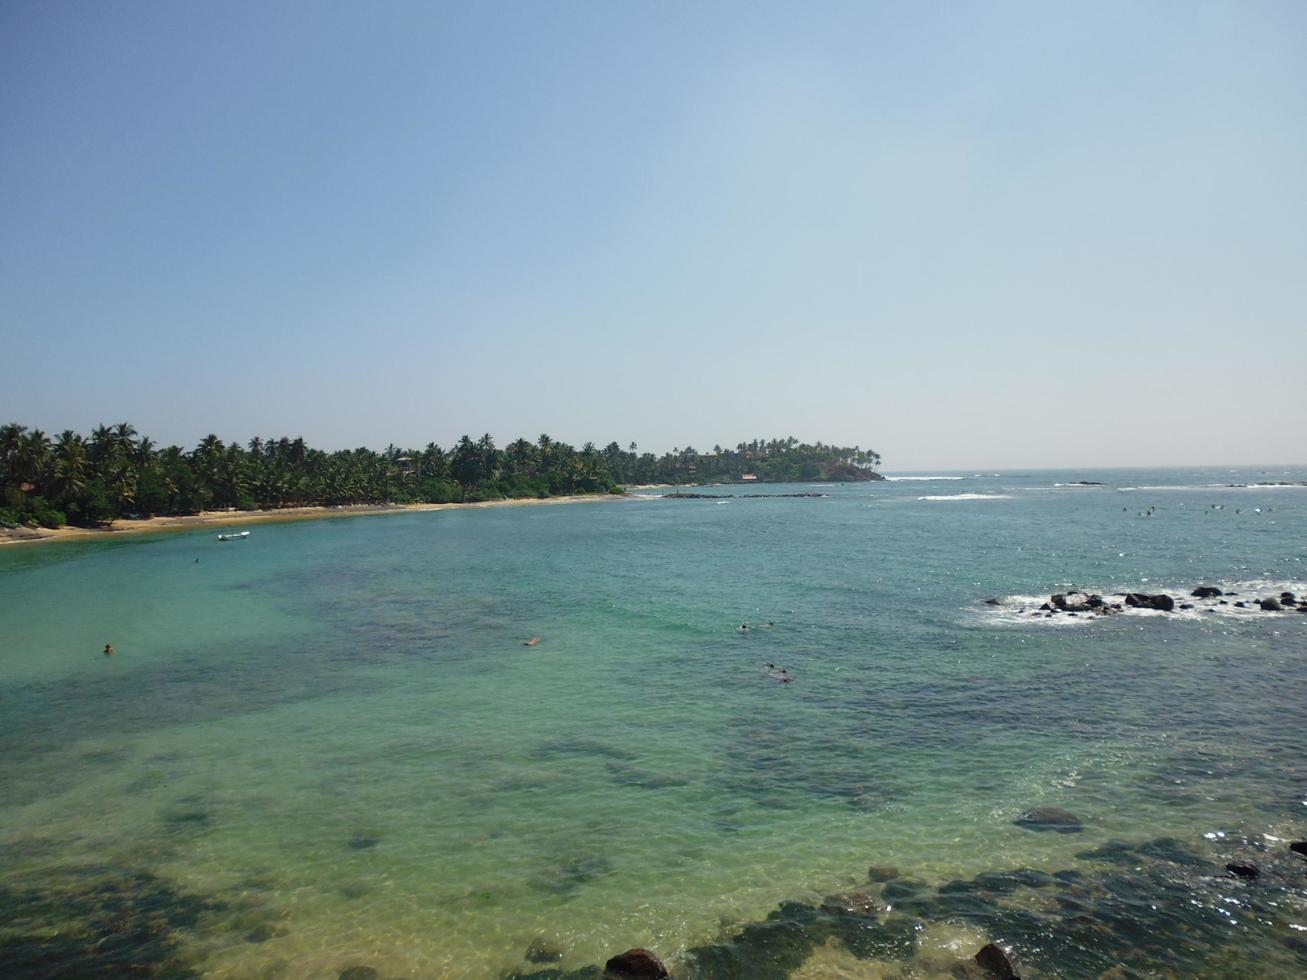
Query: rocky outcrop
[[636, 964], [1077, 602], [1248, 872]]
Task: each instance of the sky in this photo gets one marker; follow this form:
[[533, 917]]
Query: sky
[[961, 234]]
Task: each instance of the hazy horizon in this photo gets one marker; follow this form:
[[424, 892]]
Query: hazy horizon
[[993, 237]]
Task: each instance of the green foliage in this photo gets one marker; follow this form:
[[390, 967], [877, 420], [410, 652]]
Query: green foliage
[[115, 471]]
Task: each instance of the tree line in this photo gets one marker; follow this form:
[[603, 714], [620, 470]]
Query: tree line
[[115, 472]]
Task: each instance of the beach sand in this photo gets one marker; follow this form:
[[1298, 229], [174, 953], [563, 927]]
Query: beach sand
[[222, 519]]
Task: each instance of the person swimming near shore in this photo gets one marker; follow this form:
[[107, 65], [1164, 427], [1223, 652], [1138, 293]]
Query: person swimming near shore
[[779, 674], [744, 628], [108, 650], [533, 642]]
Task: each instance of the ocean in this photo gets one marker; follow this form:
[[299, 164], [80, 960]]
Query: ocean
[[326, 748]]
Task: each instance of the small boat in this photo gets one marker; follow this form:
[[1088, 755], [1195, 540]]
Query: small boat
[[234, 536]]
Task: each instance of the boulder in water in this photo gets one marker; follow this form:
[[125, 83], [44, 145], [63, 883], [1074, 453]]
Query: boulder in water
[[1206, 592], [1246, 871], [1050, 818], [639, 964], [1299, 847], [1271, 605], [882, 872], [994, 602], [993, 959]]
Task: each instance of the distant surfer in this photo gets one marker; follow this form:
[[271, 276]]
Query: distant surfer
[[108, 650]]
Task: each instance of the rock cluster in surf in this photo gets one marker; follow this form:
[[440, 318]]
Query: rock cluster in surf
[[1209, 599]]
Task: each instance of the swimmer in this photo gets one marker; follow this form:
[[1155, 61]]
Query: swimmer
[[533, 642], [108, 650], [769, 626], [744, 628]]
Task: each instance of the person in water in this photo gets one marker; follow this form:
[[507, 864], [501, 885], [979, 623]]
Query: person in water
[[533, 642], [744, 628], [108, 650]]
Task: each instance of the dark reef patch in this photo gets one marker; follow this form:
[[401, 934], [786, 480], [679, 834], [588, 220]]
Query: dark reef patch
[[98, 923], [568, 876]]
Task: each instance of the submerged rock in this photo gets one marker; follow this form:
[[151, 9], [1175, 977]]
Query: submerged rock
[[994, 602], [1299, 847], [361, 842], [851, 903], [543, 951], [1245, 871], [882, 872], [993, 959], [1050, 818], [638, 963], [358, 973]]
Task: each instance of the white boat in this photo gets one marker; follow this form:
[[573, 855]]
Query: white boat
[[234, 536]]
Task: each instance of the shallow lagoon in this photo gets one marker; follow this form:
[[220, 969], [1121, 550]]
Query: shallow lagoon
[[325, 746]]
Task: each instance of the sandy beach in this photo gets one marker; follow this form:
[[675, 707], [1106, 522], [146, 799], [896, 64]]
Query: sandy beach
[[219, 520]]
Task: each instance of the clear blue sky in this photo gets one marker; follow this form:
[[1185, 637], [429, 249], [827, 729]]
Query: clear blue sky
[[963, 234]]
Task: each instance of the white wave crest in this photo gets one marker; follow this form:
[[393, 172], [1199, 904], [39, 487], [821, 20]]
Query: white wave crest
[[969, 496], [905, 479]]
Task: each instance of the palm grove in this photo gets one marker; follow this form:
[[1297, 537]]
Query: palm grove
[[115, 472]]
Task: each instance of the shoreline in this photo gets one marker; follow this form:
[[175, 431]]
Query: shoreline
[[219, 519]]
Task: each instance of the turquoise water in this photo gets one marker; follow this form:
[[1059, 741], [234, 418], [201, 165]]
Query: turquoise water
[[326, 746]]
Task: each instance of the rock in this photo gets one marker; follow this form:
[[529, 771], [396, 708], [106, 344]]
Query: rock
[[1245, 871], [1271, 605], [1050, 818], [1241, 605], [361, 842], [542, 951], [882, 872], [1206, 592], [1045, 607], [1303, 607], [1142, 600], [638, 963], [1079, 601], [358, 973], [1299, 847], [994, 602], [1287, 597], [993, 959], [851, 903], [1186, 605]]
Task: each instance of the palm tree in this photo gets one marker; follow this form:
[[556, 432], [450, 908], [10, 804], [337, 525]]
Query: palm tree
[[70, 466]]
